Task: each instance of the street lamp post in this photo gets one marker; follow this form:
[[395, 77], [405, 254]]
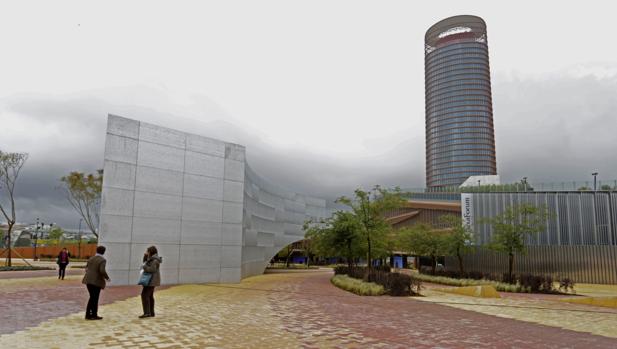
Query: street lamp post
[[595, 174], [36, 238], [525, 184], [79, 242]]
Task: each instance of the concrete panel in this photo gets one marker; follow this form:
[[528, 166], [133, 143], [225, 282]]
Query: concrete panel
[[233, 191], [265, 239], [190, 276], [197, 232], [205, 145], [200, 256], [234, 170], [203, 187], [115, 228], [234, 152], [249, 238], [120, 149], [232, 212], [231, 234], [117, 256], [149, 230], [199, 276], [160, 181], [161, 135], [204, 165], [118, 202], [253, 253], [203, 210], [157, 205], [160, 156], [119, 175], [230, 275], [118, 277], [231, 256], [169, 276], [124, 127]]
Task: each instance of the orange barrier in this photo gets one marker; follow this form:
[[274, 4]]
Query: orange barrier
[[87, 250]]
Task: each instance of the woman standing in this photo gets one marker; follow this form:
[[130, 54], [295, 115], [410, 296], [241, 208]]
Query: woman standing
[[63, 261], [152, 263]]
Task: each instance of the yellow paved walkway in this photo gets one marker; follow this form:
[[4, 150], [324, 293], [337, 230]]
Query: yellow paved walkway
[[183, 312], [582, 318]]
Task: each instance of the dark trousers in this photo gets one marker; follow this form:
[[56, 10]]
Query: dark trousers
[[93, 303], [62, 270], [147, 300]]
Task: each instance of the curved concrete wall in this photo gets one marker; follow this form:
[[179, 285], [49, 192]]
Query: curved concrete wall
[[210, 216]]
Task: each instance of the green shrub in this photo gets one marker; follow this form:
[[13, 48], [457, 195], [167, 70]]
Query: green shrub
[[23, 267], [530, 284], [357, 286]]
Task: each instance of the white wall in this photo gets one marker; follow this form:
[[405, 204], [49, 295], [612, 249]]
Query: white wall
[[210, 216]]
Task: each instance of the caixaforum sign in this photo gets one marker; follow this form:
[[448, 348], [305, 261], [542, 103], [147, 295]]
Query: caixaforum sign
[[467, 209]]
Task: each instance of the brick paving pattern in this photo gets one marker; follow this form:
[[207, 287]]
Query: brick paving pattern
[[290, 310]]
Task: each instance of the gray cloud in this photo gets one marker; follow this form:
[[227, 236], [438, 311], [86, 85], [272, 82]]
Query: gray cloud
[[548, 129]]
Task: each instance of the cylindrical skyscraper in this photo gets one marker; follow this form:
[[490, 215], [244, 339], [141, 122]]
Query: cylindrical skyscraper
[[460, 140]]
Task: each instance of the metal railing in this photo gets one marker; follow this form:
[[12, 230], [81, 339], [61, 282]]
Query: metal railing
[[454, 193]]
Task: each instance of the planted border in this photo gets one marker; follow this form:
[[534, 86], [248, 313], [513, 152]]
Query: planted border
[[357, 286], [499, 286]]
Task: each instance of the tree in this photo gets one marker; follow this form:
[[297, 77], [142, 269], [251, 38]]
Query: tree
[[84, 193], [511, 228], [606, 187], [23, 242], [369, 212], [55, 234], [10, 166], [336, 236], [424, 241], [286, 253], [459, 239]]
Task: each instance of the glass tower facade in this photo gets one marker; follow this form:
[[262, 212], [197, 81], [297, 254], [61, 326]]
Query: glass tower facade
[[460, 140]]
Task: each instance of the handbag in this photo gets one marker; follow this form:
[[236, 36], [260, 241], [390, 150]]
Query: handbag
[[144, 279]]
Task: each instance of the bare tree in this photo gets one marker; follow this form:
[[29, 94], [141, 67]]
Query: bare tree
[[84, 193], [10, 166]]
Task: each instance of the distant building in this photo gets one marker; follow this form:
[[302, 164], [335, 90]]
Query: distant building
[[460, 140]]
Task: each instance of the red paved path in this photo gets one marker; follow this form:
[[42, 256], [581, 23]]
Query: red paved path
[[404, 322], [28, 305]]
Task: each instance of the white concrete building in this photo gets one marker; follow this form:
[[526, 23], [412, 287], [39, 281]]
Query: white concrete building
[[197, 200]]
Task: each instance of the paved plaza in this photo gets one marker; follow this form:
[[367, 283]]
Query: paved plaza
[[289, 310]]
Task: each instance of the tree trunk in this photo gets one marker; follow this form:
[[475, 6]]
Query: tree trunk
[[460, 263], [434, 263], [369, 261], [289, 252], [9, 230], [349, 257], [510, 266]]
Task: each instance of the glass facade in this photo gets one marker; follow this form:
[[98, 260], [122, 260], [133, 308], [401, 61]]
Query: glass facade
[[460, 140]]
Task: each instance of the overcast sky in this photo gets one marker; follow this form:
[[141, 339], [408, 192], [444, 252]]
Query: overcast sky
[[326, 95]]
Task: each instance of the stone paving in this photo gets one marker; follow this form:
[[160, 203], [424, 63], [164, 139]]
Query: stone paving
[[287, 310], [545, 310]]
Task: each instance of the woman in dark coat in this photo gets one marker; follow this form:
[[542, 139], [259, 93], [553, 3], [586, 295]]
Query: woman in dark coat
[[152, 263], [63, 261]]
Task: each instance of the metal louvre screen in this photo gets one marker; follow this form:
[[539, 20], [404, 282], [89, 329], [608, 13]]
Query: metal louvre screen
[[579, 240], [575, 218], [583, 264]]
